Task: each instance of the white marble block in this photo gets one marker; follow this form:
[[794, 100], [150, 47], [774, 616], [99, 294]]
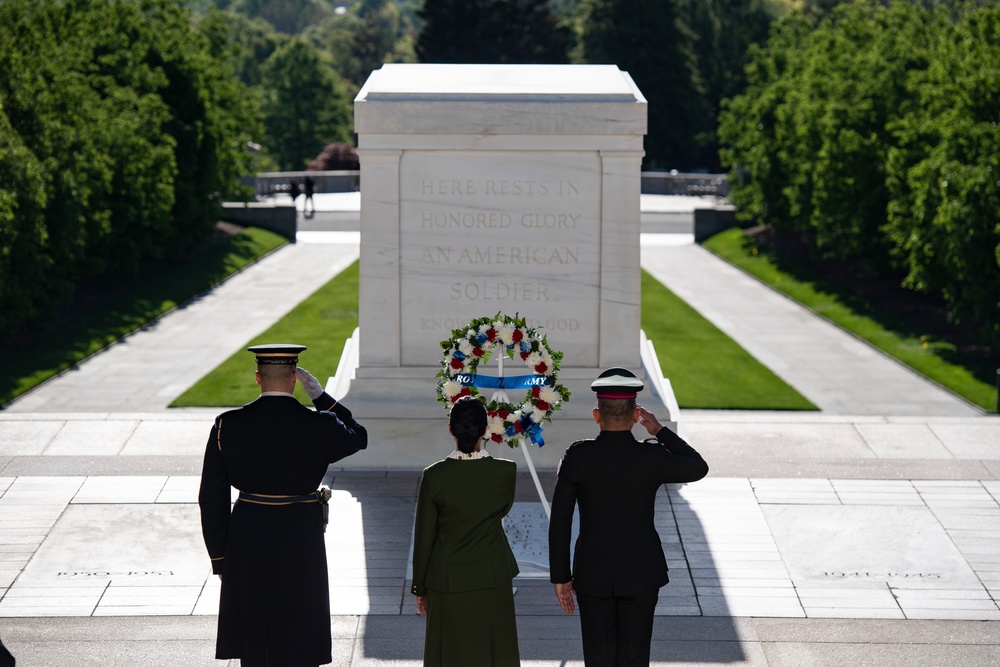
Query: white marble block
[[496, 188]]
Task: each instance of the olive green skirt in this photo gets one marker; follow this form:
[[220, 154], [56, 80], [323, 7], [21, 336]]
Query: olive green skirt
[[472, 628]]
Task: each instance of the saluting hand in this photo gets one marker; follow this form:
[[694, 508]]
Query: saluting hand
[[649, 421], [312, 386], [565, 593]]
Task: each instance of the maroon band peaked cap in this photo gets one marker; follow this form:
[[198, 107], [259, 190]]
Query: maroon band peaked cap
[[617, 383]]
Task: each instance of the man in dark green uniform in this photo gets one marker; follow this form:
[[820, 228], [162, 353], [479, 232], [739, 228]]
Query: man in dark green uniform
[[274, 608], [618, 566]]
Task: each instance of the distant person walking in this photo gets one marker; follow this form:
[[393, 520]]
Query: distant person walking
[[618, 565], [463, 566], [308, 206], [294, 191], [269, 549]]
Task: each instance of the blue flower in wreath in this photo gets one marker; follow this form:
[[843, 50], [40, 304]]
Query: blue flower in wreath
[[458, 355], [481, 338]]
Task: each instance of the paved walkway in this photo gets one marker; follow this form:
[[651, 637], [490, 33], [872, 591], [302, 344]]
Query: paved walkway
[[846, 537], [147, 370], [835, 370]]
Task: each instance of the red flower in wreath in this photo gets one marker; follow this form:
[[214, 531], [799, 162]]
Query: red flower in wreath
[[541, 368]]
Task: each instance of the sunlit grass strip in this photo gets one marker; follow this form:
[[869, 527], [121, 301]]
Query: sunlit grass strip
[[706, 368], [124, 306], [969, 378], [323, 322]]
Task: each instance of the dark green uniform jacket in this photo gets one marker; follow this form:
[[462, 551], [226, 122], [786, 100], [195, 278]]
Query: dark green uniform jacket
[[275, 600], [464, 564]]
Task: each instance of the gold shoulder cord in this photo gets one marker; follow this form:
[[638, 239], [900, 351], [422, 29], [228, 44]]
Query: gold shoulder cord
[[218, 434]]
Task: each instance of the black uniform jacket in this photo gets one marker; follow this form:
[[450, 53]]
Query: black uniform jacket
[[614, 479], [275, 597]]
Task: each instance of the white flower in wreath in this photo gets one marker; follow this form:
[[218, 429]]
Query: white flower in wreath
[[495, 426], [465, 347], [549, 395], [505, 333], [452, 388]]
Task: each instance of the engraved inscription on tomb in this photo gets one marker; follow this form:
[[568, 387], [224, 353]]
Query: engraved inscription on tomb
[[482, 233]]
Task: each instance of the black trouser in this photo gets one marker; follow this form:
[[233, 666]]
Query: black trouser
[[617, 631]]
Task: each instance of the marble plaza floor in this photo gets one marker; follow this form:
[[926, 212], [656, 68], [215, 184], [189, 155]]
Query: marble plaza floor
[[865, 534], [870, 555], [803, 548]]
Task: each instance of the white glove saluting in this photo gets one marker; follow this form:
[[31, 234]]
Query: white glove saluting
[[312, 386]]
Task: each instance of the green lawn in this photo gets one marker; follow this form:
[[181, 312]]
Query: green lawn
[[104, 312], [323, 322], [706, 368], [937, 359]]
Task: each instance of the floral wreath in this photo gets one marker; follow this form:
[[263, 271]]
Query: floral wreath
[[467, 347]]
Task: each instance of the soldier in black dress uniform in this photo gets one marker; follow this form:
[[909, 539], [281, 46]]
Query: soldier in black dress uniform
[[274, 609], [618, 565]]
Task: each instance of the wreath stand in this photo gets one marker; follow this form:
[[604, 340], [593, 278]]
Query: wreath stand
[[501, 395]]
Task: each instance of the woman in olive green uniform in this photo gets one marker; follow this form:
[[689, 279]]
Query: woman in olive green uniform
[[463, 566]]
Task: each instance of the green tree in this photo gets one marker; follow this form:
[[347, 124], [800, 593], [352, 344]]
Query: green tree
[[812, 126], [303, 104], [873, 136], [23, 261], [724, 31], [492, 31], [134, 125], [361, 40], [944, 172], [759, 144], [649, 40], [290, 17], [861, 58], [377, 39], [251, 41]]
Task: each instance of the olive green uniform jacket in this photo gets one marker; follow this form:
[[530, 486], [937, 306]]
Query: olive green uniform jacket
[[463, 563]]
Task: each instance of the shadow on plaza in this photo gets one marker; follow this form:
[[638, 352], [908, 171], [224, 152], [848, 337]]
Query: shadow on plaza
[[393, 631]]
